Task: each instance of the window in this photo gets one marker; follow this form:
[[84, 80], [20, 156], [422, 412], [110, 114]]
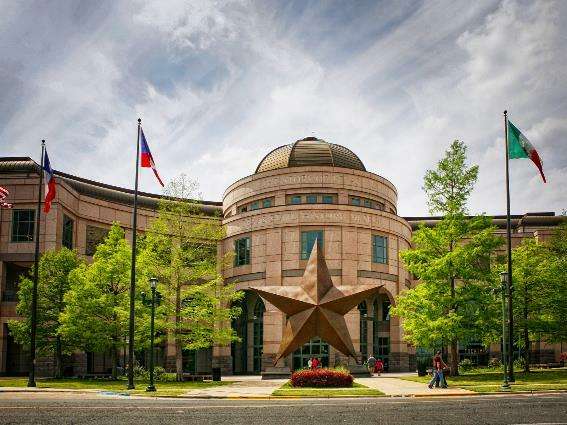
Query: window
[[311, 199], [296, 200], [242, 252], [363, 310], [23, 225], [254, 205], [328, 199], [258, 340], [368, 203], [308, 240], [95, 236], [355, 201], [266, 203], [379, 249], [386, 310], [67, 238]]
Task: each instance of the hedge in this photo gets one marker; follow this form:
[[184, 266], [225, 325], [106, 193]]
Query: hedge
[[321, 378]]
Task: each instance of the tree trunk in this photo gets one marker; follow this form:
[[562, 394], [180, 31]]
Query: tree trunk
[[526, 333], [114, 359], [454, 361], [178, 347], [58, 358]]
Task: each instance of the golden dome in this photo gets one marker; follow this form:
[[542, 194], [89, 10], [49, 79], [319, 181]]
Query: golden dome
[[310, 151]]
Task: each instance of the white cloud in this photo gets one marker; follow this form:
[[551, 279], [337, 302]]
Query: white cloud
[[219, 84]]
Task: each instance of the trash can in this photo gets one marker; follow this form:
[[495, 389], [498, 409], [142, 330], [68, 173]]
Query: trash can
[[216, 374]]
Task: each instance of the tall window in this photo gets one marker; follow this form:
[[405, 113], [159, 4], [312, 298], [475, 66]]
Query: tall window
[[258, 335], [23, 225], [308, 240], [379, 249], [67, 239], [242, 252], [363, 310]]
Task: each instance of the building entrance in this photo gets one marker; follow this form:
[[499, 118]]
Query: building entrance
[[314, 348]]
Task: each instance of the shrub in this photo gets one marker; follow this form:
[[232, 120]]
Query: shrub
[[140, 373], [494, 363], [465, 365], [422, 364], [520, 363], [321, 378], [563, 357]]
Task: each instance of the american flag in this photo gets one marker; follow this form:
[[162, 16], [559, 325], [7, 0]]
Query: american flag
[[3, 194]]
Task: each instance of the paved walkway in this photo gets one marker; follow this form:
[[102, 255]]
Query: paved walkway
[[245, 387], [391, 384]]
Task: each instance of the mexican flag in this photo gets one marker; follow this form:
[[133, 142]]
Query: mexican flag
[[520, 147]]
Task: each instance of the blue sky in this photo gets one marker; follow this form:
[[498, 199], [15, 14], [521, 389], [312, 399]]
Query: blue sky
[[220, 84]]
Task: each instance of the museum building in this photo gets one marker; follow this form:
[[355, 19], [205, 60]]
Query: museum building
[[300, 193]]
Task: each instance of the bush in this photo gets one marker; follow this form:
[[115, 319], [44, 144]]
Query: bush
[[321, 378], [465, 365], [422, 364], [494, 363], [140, 373], [519, 363]]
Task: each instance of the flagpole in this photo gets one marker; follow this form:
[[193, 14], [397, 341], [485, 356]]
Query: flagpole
[[31, 379], [131, 385], [509, 242]]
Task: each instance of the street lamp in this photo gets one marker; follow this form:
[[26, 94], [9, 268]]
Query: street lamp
[[504, 282], [153, 284]]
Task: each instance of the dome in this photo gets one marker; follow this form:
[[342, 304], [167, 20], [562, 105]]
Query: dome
[[310, 151]]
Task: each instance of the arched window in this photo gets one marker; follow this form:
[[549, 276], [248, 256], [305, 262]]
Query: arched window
[[258, 340], [363, 310]]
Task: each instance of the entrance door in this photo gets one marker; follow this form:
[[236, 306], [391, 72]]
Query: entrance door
[[314, 348], [17, 358]]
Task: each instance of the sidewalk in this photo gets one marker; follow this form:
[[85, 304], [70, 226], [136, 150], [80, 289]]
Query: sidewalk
[[391, 384], [247, 387]]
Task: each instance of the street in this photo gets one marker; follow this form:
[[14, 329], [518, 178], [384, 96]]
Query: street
[[38, 408]]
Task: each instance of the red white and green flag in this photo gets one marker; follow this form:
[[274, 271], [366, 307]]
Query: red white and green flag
[[520, 147]]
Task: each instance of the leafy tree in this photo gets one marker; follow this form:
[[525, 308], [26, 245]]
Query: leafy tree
[[555, 297], [452, 261], [450, 185], [181, 251], [533, 277], [53, 284], [455, 299], [97, 304]]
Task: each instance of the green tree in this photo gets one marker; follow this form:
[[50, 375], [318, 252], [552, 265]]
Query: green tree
[[53, 284], [455, 299], [439, 259], [450, 185], [532, 280], [181, 251], [556, 292], [97, 304]]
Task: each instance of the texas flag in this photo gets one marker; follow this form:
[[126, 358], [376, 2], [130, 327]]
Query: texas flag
[[49, 183], [147, 158]]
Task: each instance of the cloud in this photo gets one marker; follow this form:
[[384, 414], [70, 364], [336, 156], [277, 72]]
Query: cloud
[[220, 84]]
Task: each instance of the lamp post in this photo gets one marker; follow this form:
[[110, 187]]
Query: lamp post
[[504, 281], [153, 284]]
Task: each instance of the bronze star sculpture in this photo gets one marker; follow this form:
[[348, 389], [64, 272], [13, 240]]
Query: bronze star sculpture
[[316, 307]]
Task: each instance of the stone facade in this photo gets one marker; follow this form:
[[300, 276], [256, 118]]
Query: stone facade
[[272, 216]]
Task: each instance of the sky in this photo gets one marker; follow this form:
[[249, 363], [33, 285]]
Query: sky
[[219, 84]]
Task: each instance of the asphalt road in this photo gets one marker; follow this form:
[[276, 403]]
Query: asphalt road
[[521, 409]]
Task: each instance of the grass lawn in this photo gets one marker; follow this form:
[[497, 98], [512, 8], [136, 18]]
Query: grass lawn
[[356, 390], [164, 389], [490, 381]]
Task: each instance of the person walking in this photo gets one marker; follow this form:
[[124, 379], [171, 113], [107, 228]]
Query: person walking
[[371, 363], [315, 363], [310, 363], [379, 367], [438, 366]]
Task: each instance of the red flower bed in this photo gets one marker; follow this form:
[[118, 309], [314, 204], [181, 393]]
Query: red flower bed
[[321, 378]]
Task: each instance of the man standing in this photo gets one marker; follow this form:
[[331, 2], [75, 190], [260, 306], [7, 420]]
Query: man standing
[[438, 366], [370, 363]]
